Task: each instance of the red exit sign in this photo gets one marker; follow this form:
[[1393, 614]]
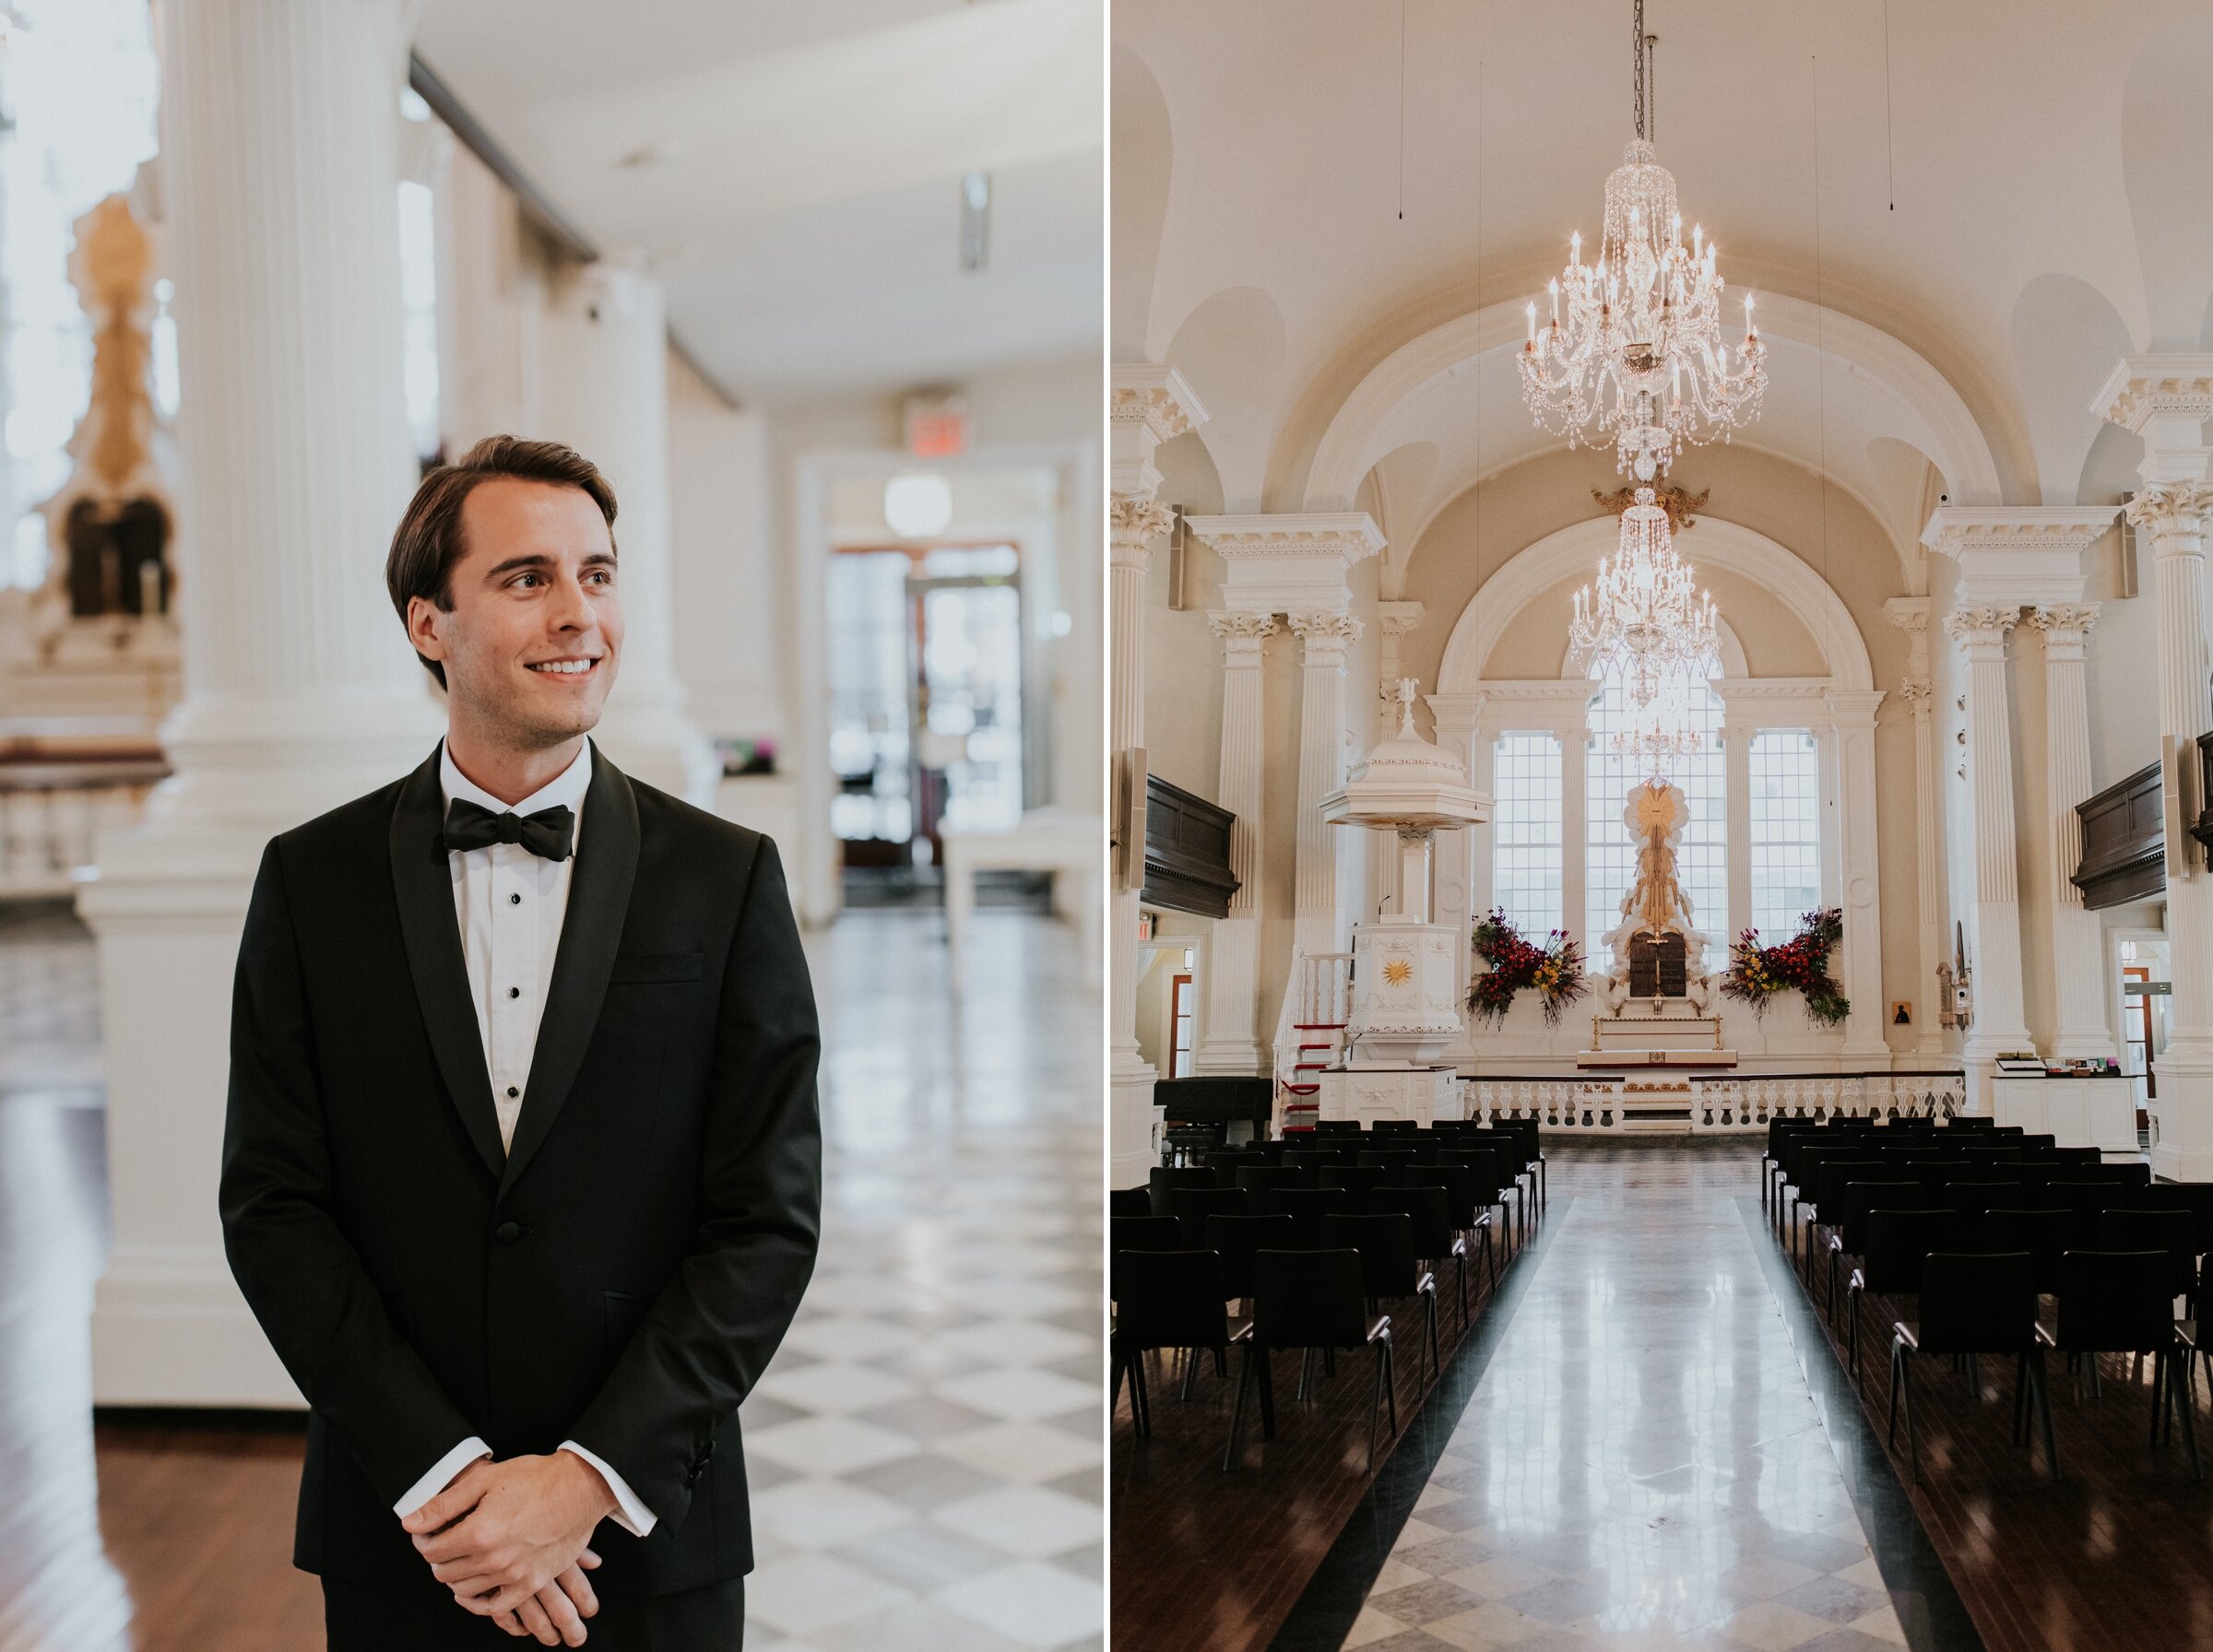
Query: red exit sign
[[937, 430]]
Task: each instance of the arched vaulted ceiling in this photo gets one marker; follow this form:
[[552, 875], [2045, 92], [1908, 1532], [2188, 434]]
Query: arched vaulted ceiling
[[2009, 206]]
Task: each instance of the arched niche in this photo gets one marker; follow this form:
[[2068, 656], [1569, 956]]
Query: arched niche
[[1714, 542]]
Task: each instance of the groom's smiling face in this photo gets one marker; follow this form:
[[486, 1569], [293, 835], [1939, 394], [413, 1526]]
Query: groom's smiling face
[[534, 629]]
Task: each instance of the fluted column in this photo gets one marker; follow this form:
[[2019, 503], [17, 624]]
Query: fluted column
[[2166, 400], [1911, 615], [2001, 1020], [1147, 405], [278, 168], [605, 393], [1851, 718], [1324, 637], [2077, 940], [1230, 1042]]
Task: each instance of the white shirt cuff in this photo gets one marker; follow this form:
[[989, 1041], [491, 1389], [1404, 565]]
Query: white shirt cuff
[[441, 1475], [632, 1515]]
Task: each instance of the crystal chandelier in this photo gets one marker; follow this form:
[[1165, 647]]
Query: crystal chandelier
[[1634, 342], [1648, 626]]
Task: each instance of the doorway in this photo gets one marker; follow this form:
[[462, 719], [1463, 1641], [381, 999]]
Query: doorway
[[2144, 982]]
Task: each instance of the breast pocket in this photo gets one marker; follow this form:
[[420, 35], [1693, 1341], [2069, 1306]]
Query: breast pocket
[[651, 968]]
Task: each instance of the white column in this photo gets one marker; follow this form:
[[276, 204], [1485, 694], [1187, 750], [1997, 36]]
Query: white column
[[1317, 927], [2077, 942], [1574, 736], [1147, 405], [2166, 400], [1230, 1042], [1395, 619], [1737, 729], [606, 394], [1852, 716], [1911, 615], [279, 169], [2001, 1021]]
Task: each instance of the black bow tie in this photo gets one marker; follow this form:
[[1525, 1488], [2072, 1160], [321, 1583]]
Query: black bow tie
[[546, 835]]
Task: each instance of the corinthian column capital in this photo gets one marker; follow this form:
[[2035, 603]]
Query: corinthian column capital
[[2164, 508], [1244, 637], [2064, 625], [1325, 635], [1982, 627]]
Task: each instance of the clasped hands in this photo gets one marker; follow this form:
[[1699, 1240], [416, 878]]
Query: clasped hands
[[510, 1540]]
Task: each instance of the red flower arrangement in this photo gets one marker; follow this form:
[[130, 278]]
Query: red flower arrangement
[[1555, 969], [1756, 974]]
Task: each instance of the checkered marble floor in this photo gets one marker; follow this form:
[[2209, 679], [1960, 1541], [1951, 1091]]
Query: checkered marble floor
[[925, 1452], [1641, 1466]]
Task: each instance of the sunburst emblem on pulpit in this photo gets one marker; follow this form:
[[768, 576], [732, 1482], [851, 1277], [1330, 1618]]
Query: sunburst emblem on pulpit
[[1396, 973]]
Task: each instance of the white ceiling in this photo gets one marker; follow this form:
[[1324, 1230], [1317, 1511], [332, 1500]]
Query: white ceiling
[[2015, 193], [794, 169]]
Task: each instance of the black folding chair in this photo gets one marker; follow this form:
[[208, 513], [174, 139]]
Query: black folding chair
[[1388, 1268], [2118, 1302], [1309, 1299], [1975, 1304], [1165, 1298], [1898, 1242]]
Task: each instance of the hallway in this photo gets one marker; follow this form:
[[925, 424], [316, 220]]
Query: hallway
[[1642, 1463]]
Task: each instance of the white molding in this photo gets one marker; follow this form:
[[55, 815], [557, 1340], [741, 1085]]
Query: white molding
[[2017, 556], [1714, 542], [1293, 562]]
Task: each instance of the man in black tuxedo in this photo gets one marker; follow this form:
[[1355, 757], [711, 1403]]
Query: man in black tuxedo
[[522, 1169]]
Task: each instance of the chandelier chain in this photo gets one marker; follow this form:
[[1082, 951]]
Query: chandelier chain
[[1637, 52]]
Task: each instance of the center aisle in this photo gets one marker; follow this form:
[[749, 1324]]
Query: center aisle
[[1641, 1464]]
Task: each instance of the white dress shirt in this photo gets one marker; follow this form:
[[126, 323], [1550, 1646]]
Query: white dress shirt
[[510, 904]]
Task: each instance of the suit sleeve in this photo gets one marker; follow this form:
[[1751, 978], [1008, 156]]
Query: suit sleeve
[[299, 1273], [704, 1342]]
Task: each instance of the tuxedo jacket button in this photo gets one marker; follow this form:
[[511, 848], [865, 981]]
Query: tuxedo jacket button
[[507, 1233]]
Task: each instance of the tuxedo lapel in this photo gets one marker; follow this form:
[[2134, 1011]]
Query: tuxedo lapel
[[607, 863], [422, 879]]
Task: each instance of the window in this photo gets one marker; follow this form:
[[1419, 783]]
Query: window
[[1786, 830], [1610, 853], [1527, 843]]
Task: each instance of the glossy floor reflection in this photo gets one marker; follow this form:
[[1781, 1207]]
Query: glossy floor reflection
[[925, 1452], [1642, 1465]]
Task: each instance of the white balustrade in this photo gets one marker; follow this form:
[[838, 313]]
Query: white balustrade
[[50, 813]]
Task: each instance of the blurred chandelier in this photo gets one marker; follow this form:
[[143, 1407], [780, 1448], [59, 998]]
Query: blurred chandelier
[[1650, 628], [1639, 352]]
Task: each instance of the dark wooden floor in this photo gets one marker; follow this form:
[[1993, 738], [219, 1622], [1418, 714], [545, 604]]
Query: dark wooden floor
[[2119, 1554], [1208, 1561]]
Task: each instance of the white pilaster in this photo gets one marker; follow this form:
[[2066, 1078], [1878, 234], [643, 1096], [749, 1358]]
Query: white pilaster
[[1851, 717], [2001, 1020], [1230, 1042], [1146, 405], [1738, 720], [1911, 615], [1393, 621], [2077, 945], [606, 394], [1317, 927], [2166, 400], [279, 169]]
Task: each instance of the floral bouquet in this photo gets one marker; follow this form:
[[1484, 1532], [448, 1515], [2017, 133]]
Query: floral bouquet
[[1756, 974], [1555, 969]]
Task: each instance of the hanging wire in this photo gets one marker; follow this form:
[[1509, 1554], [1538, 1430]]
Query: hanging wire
[[1890, 137], [1401, 110], [1637, 49], [1820, 324], [1651, 89]]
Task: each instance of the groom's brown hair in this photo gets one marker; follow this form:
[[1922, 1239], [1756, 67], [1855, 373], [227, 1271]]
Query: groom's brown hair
[[428, 543]]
